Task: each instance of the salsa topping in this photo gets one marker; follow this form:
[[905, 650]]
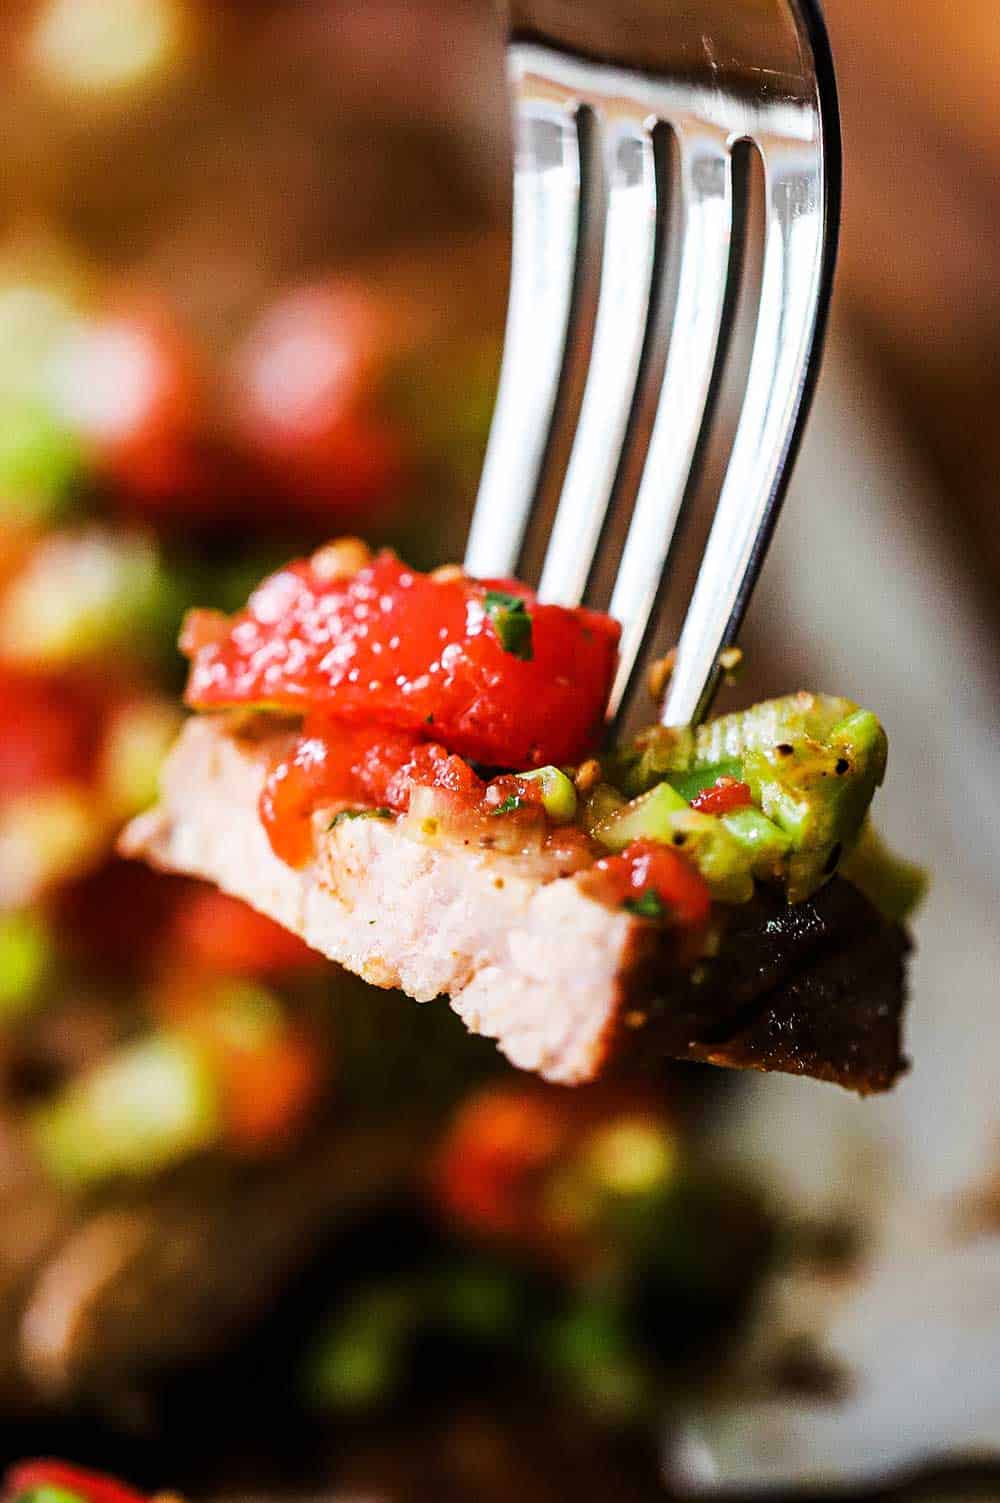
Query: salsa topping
[[512, 621], [655, 881], [484, 668], [413, 687]]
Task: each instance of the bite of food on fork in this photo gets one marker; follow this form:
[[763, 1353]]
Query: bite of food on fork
[[421, 774], [410, 771]]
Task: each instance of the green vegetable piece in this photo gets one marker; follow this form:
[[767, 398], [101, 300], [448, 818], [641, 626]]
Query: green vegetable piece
[[599, 805], [83, 594], [558, 793], [653, 755], [509, 805], [247, 1016], [592, 1349], [819, 794], [648, 905], [649, 817], [725, 864], [482, 1303], [40, 463], [148, 1106], [46, 1492], [512, 623], [346, 814], [895, 887], [361, 1362], [663, 815], [690, 784], [796, 717], [25, 963], [139, 739], [765, 844], [631, 1157]]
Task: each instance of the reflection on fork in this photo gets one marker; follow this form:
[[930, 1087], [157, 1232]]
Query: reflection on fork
[[627, 174]]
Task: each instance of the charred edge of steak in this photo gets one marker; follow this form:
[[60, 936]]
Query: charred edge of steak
[[816, 989]]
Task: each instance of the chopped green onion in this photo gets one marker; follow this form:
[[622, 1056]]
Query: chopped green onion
[[512, 623], [380, 813], [511, 802], [649, 905]]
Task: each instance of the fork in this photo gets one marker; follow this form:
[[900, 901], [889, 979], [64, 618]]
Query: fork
[[627, 117]]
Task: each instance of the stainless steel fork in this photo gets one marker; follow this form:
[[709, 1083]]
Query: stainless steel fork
[[627, 116]]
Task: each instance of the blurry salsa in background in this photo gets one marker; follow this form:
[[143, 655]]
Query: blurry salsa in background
[[253, 265]]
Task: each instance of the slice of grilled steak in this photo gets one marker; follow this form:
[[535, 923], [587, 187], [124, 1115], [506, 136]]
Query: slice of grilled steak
[[567, 986]]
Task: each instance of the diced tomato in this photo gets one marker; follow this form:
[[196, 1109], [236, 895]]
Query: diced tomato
[[487, 1172], [647, 867], [135, 388], [364, 765], [268, 1093], [217, 933], [401, 649], [90, 1487], [307, 383], [51, 732], [723, 797]]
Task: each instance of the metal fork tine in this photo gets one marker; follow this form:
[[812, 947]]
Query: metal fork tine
[[546, 214], [704, 236], [619, 332], [751, 491]]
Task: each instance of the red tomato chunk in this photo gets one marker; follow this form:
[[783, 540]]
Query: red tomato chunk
[[404, 650], [27, 1477], [647, 870], [723, 797]]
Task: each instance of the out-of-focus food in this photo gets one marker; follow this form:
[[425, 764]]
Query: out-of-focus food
[[50, 1481], [583, 1250]]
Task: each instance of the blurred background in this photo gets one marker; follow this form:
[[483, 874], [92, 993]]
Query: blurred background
[[263, 1231]]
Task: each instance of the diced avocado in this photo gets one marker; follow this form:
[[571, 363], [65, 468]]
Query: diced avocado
[[25, 962], [646, 818], [558, 793], [663, 815], [894, 886], [760, 837], [149, 1105], [600, 804], [664, 751], [653, 755], [819, 793], [723, 862], [774, 722]]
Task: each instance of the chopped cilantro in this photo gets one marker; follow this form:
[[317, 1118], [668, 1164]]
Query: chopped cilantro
[[649, 905], [511, 802], [359, 814], [512, 622]]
